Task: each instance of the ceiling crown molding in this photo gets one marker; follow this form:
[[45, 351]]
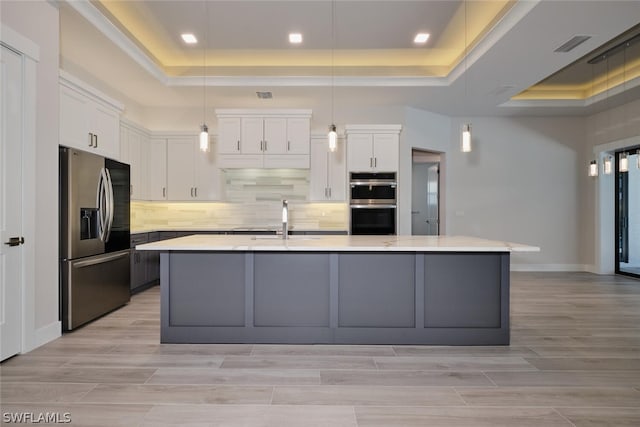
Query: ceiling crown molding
[[106, 27]]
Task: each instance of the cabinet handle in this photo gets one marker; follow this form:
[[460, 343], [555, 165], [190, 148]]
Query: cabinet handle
[[370, 162], [195, 191], [288, 145], [325, 192], [329, 192], [191, 191], [238, 145], [265, 146], [164, 192], [375, 162], [96, 140], [90, 139]]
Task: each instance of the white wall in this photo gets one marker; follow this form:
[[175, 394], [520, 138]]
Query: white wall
[[520, 184], [426, 131], [38, 21]]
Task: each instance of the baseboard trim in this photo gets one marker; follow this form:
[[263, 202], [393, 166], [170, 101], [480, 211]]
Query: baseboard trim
[[47, 334], [549, 267]]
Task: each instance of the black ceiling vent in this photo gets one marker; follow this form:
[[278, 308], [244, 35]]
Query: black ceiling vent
[[572, 44], [264, 95]]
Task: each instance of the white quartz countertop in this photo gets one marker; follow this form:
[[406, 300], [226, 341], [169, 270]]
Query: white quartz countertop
[[202, 242]]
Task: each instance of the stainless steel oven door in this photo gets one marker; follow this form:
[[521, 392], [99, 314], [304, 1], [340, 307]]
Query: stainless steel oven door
[[373, 219]]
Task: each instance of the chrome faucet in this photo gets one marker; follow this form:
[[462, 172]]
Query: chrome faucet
[[285, 219]]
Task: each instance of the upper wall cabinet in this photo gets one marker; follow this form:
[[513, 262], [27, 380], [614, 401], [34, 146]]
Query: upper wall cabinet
[[263, 138], [373, 148], [89, 120], [327, 179], [134, 150], [191, 174]]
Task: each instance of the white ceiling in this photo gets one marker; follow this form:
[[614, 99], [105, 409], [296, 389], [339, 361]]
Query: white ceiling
[[516, 54]]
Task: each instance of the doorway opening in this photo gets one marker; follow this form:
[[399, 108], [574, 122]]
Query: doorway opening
[[627, 215], [425, 193]]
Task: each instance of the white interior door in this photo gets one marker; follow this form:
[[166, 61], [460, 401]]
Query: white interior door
[[11, 107], [424, 200]]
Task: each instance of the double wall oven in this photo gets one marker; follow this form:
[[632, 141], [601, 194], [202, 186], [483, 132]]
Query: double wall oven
[[373, 203]]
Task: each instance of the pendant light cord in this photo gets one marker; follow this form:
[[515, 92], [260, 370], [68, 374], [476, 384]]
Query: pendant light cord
[[204, 62], [333, 36]]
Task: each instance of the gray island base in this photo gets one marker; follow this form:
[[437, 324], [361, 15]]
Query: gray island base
[[433, 290]]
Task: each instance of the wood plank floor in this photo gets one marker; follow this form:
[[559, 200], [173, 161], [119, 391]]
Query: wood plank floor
[[574, 361]]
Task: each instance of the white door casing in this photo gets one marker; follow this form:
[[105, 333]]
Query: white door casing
[[11, 257]]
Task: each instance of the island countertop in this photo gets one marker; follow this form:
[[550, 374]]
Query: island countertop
[[349, 243]]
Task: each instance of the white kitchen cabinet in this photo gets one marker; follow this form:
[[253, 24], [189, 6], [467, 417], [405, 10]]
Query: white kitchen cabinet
[[373, 148], [228, 135], [327, 174], [134, 148], [89, 120], [266, 138], [157, 169], [191, 173]]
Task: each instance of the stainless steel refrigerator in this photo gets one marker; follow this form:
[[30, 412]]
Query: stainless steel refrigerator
[[94, 236]]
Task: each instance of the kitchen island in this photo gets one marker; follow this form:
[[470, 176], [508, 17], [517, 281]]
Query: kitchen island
[[440, 290]]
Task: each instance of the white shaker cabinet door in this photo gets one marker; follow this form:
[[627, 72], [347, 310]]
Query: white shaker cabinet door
[[318, 175], [360, 152], [180, 168], [157, 172], [252, 135], [385, 152], [298, 136], [229, 135], [275, 136], [337, 172], [104, 123], [207, 176], [74, 120]]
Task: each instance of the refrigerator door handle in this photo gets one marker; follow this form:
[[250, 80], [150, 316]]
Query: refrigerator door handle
[[101, 204], [110, 204], [88, 263]]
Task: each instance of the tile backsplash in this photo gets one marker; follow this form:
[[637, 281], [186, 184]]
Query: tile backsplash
[[260, 185], [222, 215], [252, 199]]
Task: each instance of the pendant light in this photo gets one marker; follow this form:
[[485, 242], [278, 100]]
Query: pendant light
[[593, 168], [607, 165], [333, 135], [466, 138], [466, 128], [204, 130], [624, 162]]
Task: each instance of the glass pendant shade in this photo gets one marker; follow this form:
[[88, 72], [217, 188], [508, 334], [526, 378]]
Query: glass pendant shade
[[466, 138], [606, 166], [624, 162], [204, 138], [333, 138], [593, 168]]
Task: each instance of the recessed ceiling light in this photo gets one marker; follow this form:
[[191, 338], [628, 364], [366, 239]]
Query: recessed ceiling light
[[295, 38], [189, 38], [421, 38]]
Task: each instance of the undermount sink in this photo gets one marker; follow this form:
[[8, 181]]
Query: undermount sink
[[279, 237]]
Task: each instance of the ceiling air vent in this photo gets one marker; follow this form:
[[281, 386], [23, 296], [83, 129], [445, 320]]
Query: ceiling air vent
[[264, 95], [572, 44]]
